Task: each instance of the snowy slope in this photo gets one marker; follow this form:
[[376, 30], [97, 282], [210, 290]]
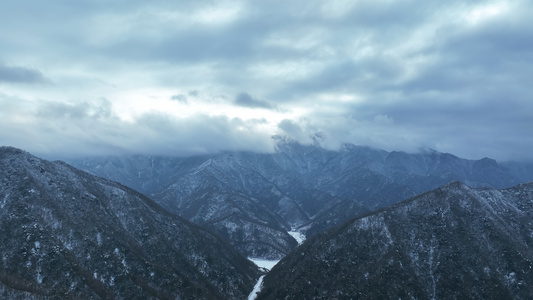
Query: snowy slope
[[70, 235], [454, 242]]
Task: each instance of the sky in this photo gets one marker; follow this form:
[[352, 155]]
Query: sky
[[82, 78]]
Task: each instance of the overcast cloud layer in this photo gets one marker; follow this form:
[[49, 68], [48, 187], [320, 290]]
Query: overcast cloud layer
[[185, 77]]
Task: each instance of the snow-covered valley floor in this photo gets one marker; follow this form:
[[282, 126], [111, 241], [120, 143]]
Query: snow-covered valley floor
[[266, 265], [269, 264], [263, 263]]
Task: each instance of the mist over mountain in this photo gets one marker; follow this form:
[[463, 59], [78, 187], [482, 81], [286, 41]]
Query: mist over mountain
[[253, 199], [67, 234], [454, 242]]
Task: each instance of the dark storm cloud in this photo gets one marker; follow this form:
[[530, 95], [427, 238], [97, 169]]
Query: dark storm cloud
[[16, 74], [496, 56], [475, 94], [464, 56], [472, 96], [245, 100], [451, 123], [237, 42]]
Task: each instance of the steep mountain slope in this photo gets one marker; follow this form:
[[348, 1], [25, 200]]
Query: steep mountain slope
[[253, 199], [68, 234], [454, 242]]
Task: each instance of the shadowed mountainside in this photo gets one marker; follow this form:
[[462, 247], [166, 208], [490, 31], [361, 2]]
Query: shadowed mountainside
[[454, 242], [68, 234]]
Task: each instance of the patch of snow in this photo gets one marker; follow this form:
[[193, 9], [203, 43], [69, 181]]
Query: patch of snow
[[510, 279], [387, 233], [486, 270], [202, 167], [68, 245], [39, 276], [257, 288], [298, 236], [431, 266], [231, 226], [4, 201], [263, 263]]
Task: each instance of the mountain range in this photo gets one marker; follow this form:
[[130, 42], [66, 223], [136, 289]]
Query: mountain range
[[67, 234], [254, 199]]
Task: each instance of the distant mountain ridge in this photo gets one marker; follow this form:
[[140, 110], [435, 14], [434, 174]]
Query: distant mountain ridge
[[67, 234], [254, 199], [454, 242]]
